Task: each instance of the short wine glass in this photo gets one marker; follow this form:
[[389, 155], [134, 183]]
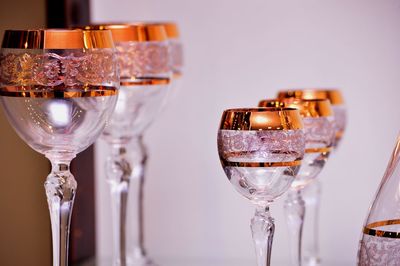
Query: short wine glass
[[58, 89], [312, 192], [144, 59], [319, 134], [261, 151]]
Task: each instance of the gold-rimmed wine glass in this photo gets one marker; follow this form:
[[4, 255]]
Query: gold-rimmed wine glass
[[58, 89], [260, 150], [319, 132], [144, 59], [312, 192]]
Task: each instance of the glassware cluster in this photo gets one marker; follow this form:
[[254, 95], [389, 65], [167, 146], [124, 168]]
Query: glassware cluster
[[281, 146], [62, 89]]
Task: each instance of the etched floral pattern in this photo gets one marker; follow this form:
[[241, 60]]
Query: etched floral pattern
[[378, 251], [261, 145], [24, 68], [340, 122], [142, 59], [319, 131], [176, 56]]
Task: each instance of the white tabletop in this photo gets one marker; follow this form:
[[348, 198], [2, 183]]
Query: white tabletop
[[206, 262]]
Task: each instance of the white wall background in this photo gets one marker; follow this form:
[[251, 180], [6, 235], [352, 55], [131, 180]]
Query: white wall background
[[238, 52]]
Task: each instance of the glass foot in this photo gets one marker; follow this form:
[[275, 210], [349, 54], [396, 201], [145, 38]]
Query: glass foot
[[312, 261], [144, 261]]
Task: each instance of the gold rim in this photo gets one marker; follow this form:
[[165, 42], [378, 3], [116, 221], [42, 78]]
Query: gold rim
[[261, 119], [226, 163], [171, 28], [57, 91], [57, 39], [369, 229], [333, 95], [307, 108], [125, 32]]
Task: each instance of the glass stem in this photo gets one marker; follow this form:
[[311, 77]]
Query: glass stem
[[126, 177], [312, 199], [60, 188], [263, 228], [294, 207]]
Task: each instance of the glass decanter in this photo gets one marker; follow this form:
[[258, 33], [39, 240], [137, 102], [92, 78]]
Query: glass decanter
[[312, 192], [58, 89], [380, 240], [261, 151], [144, 59], [319, 132]]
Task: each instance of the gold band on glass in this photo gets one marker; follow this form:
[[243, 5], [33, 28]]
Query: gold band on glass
[[307, 108], [261, 119], [260, 164], [381, 233], [318, 150], [333, 95], [145, 81], [139, 32], [57, 39], [63, 92]]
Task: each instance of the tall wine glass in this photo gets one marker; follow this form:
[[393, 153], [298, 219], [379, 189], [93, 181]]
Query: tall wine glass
[[58, 89], [261, 151], [144, 59], [176, 47], [313, 191], [176, 56], [319, 134]]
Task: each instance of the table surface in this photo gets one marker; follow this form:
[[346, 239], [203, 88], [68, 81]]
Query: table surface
[[205, 262]]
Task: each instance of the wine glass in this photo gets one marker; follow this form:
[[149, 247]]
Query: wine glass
[[312, 192], [58, 89], [143, 54], [319, 134], [261, 151], [176, 47]]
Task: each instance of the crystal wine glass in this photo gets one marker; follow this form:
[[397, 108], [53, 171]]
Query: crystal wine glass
[[176, 57], [319, 134], [143, 54], [58, 89], [261, 151], [312, 192]]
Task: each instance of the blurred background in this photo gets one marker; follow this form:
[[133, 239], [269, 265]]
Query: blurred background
[[236, 53]]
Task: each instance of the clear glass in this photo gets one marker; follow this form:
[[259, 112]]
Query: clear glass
[[58, 102], [319, 134], [145, 81], [380, 240], [136, 108], [312, 194], [261, 166]]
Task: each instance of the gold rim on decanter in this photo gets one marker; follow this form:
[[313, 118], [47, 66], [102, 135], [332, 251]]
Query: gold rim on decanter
[[261, 119], [369, 229], [333, 95]]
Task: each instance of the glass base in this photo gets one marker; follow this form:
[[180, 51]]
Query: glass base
[[144, 261], [311, 261]]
